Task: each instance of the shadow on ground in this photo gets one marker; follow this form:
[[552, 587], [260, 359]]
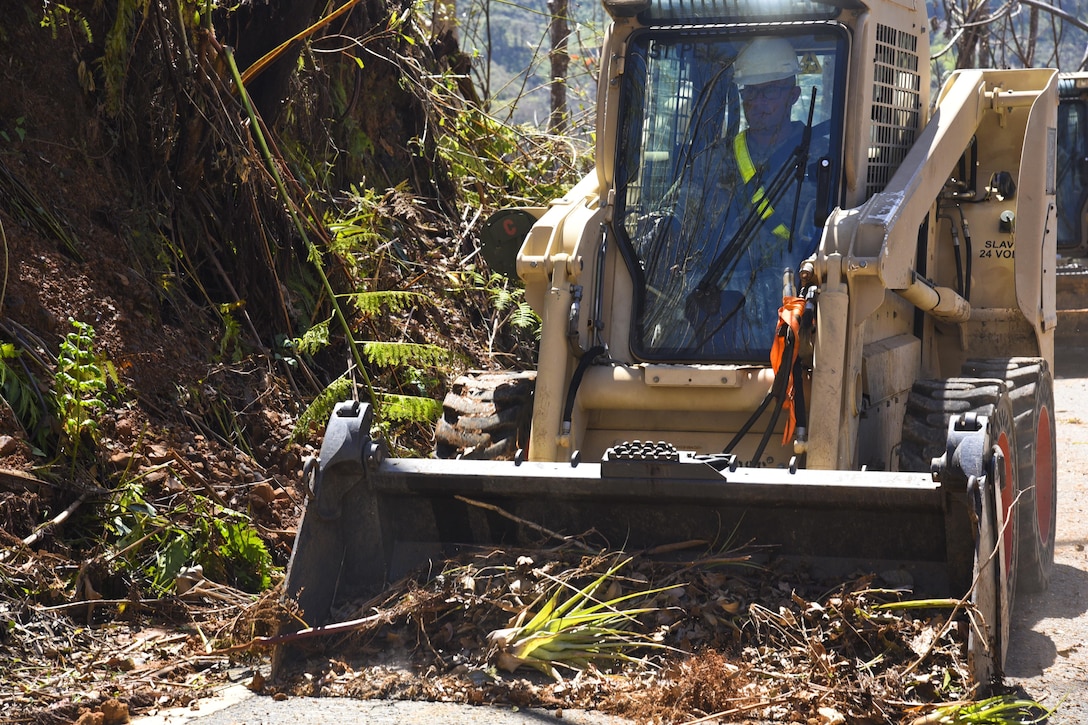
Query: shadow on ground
[[1070, 361], [1031, 652]]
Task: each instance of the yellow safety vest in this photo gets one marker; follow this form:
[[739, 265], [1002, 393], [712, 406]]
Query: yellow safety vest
[[747, 171]]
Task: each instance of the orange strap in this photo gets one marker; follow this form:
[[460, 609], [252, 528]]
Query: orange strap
[[789, 314]]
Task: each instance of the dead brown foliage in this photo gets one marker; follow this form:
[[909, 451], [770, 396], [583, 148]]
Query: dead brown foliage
[[744, 642]]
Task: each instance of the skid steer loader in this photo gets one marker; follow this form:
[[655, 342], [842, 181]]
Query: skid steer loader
[[828, 330]]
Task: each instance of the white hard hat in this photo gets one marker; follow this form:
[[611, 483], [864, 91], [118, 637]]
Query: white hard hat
[[765, 59]]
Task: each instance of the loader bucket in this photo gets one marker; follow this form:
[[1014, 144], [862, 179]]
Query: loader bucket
[[369, 520]]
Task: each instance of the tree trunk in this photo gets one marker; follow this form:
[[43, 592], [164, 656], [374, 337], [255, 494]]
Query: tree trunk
[[560, 62], [1033, 34]]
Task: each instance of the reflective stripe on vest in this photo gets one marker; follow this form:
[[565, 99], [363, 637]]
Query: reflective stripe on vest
[[747, 171]]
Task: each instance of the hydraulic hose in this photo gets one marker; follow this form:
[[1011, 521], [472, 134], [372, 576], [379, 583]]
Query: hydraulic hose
[[588, 359]]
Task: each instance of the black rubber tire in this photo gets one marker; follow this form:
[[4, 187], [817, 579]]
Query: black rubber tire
[[930, 407], [1031, 389], [486, 415], [1003, 436]]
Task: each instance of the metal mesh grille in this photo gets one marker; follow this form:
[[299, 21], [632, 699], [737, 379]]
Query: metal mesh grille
[[896, 112]]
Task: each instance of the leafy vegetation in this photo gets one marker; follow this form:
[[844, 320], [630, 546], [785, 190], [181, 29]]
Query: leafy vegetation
[[81, 387], [587, 627], [21, 395], [999, 710], [152, 546], [708, 636]]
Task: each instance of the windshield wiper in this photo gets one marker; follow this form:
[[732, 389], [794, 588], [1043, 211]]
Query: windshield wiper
[[707, 288], [802, 164]]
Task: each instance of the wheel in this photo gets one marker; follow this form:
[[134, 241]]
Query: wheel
[[485, 416], [990, 472], [1031, 389], [930, 406]]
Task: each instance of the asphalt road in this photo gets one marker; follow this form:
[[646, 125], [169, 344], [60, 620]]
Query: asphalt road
[[1048, 650], [237, 706]]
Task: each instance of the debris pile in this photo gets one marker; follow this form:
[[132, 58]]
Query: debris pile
[[723, 635]]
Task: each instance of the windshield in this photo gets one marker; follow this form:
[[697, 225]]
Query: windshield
[[727, 167]]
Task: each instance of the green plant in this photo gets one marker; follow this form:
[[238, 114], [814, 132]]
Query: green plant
[[81, 384], [155, 546], [118, 50], [231, 551], [360, 227], [374, 303], [511, 300], [22, 396], [318, 411], [131, 524], [313, 340], [399, 358], [503, 164], [409, 408], [575, 632], [230, 345], [506, 302], [999, 710], [412, 360], [57, 15], [394, 354], [19, 130]]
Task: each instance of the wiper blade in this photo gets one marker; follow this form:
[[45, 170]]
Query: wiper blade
[[753, 220], [802, 162]]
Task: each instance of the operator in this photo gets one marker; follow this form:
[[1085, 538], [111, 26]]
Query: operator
[[766, 71]]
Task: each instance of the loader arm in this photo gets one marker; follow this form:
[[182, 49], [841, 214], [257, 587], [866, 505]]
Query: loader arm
[[874, 248]]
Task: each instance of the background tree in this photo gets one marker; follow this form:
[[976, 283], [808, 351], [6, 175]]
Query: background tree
[[560, 64], [1023, 34]]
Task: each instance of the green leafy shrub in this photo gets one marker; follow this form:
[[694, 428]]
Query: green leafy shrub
[[20, 393], [231, 552], [318, 411], [80, 387], [154, 546]]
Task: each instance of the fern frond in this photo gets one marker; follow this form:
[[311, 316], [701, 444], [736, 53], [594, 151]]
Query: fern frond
[[409, 408], [501, 299], [525, 317], [372, 303], [391, 354], [318, 412], [59, 16], [313, 340]]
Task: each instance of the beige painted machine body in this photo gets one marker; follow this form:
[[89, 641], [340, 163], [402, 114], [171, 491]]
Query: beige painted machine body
[[868, 349]]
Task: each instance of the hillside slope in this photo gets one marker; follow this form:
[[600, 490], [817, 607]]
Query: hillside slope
[[149, 403]]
